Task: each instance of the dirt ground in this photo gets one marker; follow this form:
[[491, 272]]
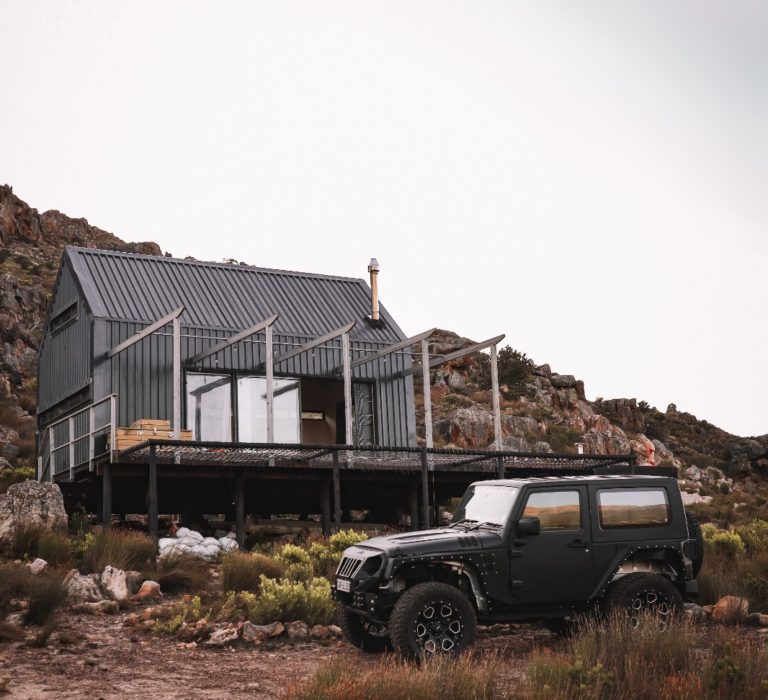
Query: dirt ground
[[108, 660]]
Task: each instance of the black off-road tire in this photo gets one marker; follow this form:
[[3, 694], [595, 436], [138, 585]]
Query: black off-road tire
[[697, 542], [636, 594], [431, 619], [366, 636]]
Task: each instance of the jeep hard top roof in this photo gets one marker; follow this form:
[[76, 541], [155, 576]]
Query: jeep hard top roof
[[585, 479]]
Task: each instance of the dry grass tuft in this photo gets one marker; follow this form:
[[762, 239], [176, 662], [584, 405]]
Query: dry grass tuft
[[465, 678], [123, 549], [242, 572], [182, 572]]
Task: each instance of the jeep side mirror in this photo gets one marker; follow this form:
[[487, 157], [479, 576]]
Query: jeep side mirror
[[529, 526]]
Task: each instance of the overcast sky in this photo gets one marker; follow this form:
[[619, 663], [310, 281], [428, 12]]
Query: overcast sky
[[589, 178]]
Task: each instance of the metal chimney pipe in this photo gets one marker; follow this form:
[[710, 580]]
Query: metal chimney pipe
[[373, 269]]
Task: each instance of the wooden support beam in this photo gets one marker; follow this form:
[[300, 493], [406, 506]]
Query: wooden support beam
[[500, 471], [427, 384], [106, 495], [240, 507], [495, 398], [336, 477], [349, 435], [269, 359], [242, 335], [176, 379], [413, 340], [309, 345], [156, 326], [424, 489], [475, 347], [152, 507]]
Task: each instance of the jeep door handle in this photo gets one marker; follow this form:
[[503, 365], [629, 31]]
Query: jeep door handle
[[578, 544]]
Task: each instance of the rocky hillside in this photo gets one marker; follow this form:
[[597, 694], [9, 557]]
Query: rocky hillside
[[30, 249], [541, 409]]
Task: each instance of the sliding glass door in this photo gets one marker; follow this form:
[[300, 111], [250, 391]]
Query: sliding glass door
[[252, 409]]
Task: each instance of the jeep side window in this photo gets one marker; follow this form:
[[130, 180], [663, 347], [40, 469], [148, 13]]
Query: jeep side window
[[556, 510], [632, 507]]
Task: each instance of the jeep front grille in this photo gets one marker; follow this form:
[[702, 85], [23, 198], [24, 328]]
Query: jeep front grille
[[349, 566]]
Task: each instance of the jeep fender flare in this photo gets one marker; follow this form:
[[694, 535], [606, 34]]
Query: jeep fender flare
[[664, 560], [456, 565]]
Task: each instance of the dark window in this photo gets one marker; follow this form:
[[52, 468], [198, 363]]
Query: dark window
[[63, 318], [557, 510], [641, 507]]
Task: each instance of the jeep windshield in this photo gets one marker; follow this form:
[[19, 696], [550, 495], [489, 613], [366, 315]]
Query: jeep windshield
[[485, 505]]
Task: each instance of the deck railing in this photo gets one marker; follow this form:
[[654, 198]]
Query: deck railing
[[77, 439]]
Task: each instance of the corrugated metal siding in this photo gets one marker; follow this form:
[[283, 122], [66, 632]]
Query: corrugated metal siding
[[145, 288], [141, 375], [65, 356]]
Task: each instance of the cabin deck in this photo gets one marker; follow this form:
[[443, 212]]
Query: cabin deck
[[240, 479]]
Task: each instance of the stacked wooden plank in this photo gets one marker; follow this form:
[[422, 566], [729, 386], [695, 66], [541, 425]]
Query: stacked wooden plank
[[145, 429]]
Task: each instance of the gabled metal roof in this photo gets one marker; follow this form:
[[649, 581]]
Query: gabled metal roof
[[218, 295]]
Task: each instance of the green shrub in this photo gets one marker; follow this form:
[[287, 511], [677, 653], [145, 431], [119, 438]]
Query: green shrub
[[296, 562], [181, 572], [754, 535], [560, 438], [242, 571], [456, 401], [123, 549], [725, 542], [465, 678], [15, 475], [514, 370], [290, 600], [342, 539], [172, 617]]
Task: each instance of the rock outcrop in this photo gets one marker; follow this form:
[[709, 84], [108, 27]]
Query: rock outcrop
[[31, 244], [33, 503]]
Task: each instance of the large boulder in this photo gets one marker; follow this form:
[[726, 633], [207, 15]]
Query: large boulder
[[81, 588], [114, 583], [34, 503]]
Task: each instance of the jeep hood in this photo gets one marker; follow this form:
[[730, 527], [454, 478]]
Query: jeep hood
[[438, 541]]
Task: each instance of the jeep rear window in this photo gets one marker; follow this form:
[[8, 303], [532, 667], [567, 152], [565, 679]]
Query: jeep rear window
[[556, 510], [640, 507]]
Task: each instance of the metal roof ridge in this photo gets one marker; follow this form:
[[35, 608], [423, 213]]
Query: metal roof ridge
[[210, 263]]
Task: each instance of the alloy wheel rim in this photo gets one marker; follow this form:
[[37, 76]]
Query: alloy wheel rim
[[438, 628], [650, 601]]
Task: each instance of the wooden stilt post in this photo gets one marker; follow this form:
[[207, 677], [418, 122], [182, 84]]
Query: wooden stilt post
[[240, 507], [413, 504], [106, 495], [336, 492], [152, 510], [500, 467], [424, 489], [325, 504]]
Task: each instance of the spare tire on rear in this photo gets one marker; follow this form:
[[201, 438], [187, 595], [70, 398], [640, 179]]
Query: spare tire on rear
[[696, 542]]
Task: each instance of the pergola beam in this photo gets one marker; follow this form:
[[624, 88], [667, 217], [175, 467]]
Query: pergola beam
[[393, 348], [151, 328], [476, 347], [242, 335], [309, 345]]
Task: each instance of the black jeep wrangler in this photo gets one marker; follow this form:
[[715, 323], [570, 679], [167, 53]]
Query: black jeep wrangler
[[523, 549]]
